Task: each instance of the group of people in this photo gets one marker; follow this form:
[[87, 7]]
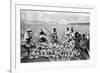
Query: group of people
[[72, 45]]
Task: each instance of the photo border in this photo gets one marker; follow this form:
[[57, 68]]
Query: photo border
[[12, 67]]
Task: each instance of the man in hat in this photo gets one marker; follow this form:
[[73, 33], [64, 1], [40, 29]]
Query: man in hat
[[27, 41]]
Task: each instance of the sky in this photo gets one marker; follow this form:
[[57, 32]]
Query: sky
[[54, 17]]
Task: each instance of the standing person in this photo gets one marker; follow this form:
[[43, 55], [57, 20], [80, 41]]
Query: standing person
[[77, 39], [67, 34], [72, 32], [67, 31], [54, 36], [43, 36], [83, 46], [27, 40]]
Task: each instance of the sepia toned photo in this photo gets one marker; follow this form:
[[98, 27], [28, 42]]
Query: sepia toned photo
[[47, 36]]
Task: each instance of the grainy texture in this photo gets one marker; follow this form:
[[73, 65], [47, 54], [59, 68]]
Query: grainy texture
[[54, 36]]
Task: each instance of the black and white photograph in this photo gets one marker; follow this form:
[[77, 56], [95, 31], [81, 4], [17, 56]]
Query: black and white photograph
[[54, 36]]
